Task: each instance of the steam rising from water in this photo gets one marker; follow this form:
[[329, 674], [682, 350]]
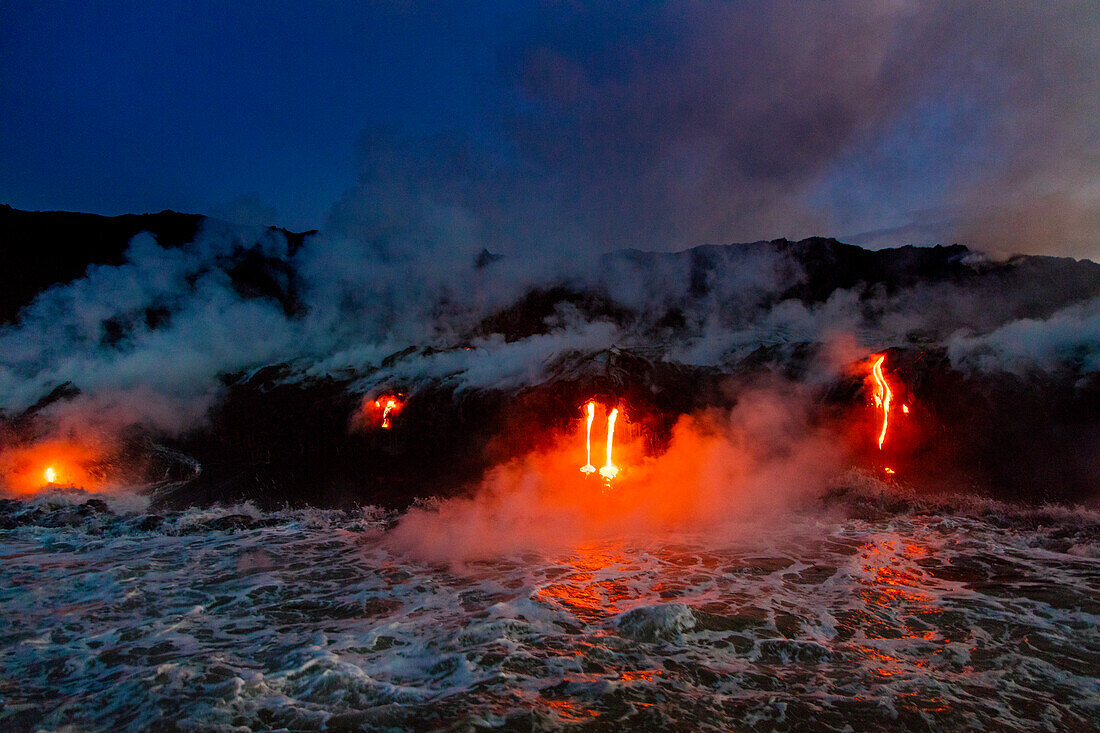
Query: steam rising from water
[[723, 477], [542, 598]]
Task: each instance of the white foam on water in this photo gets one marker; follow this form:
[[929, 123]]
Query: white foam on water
[[230, 618]]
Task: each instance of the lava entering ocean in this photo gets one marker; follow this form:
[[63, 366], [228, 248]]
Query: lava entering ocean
[[50, 464], [588, 468], [719, 469], [609, 470]]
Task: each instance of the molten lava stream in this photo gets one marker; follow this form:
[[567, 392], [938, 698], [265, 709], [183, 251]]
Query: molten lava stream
[[884, 400], [883, 396], [588, 468], [390, 405], [610, 470], [382, 411]]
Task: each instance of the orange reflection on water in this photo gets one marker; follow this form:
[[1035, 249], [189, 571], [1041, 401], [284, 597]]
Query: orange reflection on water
[[579, 589], [893, 580], [570, 712], [894, 664]]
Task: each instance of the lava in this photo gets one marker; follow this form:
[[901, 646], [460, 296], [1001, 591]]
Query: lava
[[883, 395], [390, 405], [588, 468], [884, 400], [382, 411], [610, 470], [50, 464]]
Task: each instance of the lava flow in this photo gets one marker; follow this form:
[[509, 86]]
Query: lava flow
[[609, 470], [883, 395], [588, 467], [50, 464], [383, 410], [884, 399], [390, 405]]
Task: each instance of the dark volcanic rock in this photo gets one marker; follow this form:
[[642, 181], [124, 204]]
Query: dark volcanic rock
[[279, 442], [94, 506], [299, 443], [654, 393], [815, 268], [1030, 438], [278, 438], [256, 275], [149, 523]]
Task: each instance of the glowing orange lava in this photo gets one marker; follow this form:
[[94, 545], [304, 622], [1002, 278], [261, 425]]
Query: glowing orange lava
[[883, 395], [886, 400], [610, 470], [390, 405], [588, 468], [383, 410], [49, 464]]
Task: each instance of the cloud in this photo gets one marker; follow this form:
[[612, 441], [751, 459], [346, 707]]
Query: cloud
[[674, 125]]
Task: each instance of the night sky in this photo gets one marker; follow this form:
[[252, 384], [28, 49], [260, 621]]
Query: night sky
[[648, 125]]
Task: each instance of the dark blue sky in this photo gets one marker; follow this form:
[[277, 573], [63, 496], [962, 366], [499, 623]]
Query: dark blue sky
[[649, 125], [135, 106]]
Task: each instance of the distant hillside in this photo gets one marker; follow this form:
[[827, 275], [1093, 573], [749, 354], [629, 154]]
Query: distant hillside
[[42, 248]]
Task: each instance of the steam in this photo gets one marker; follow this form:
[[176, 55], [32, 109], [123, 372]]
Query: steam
[[360, 305], [725, 475], [1068, 339], [163, 376]]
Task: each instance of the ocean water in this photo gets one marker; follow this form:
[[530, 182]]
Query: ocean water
[[975, 617]]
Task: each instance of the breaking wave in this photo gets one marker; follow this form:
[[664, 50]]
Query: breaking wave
[[887, 614]]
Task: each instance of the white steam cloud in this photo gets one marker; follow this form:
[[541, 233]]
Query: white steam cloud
[[1069, 338], [726, 476]]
